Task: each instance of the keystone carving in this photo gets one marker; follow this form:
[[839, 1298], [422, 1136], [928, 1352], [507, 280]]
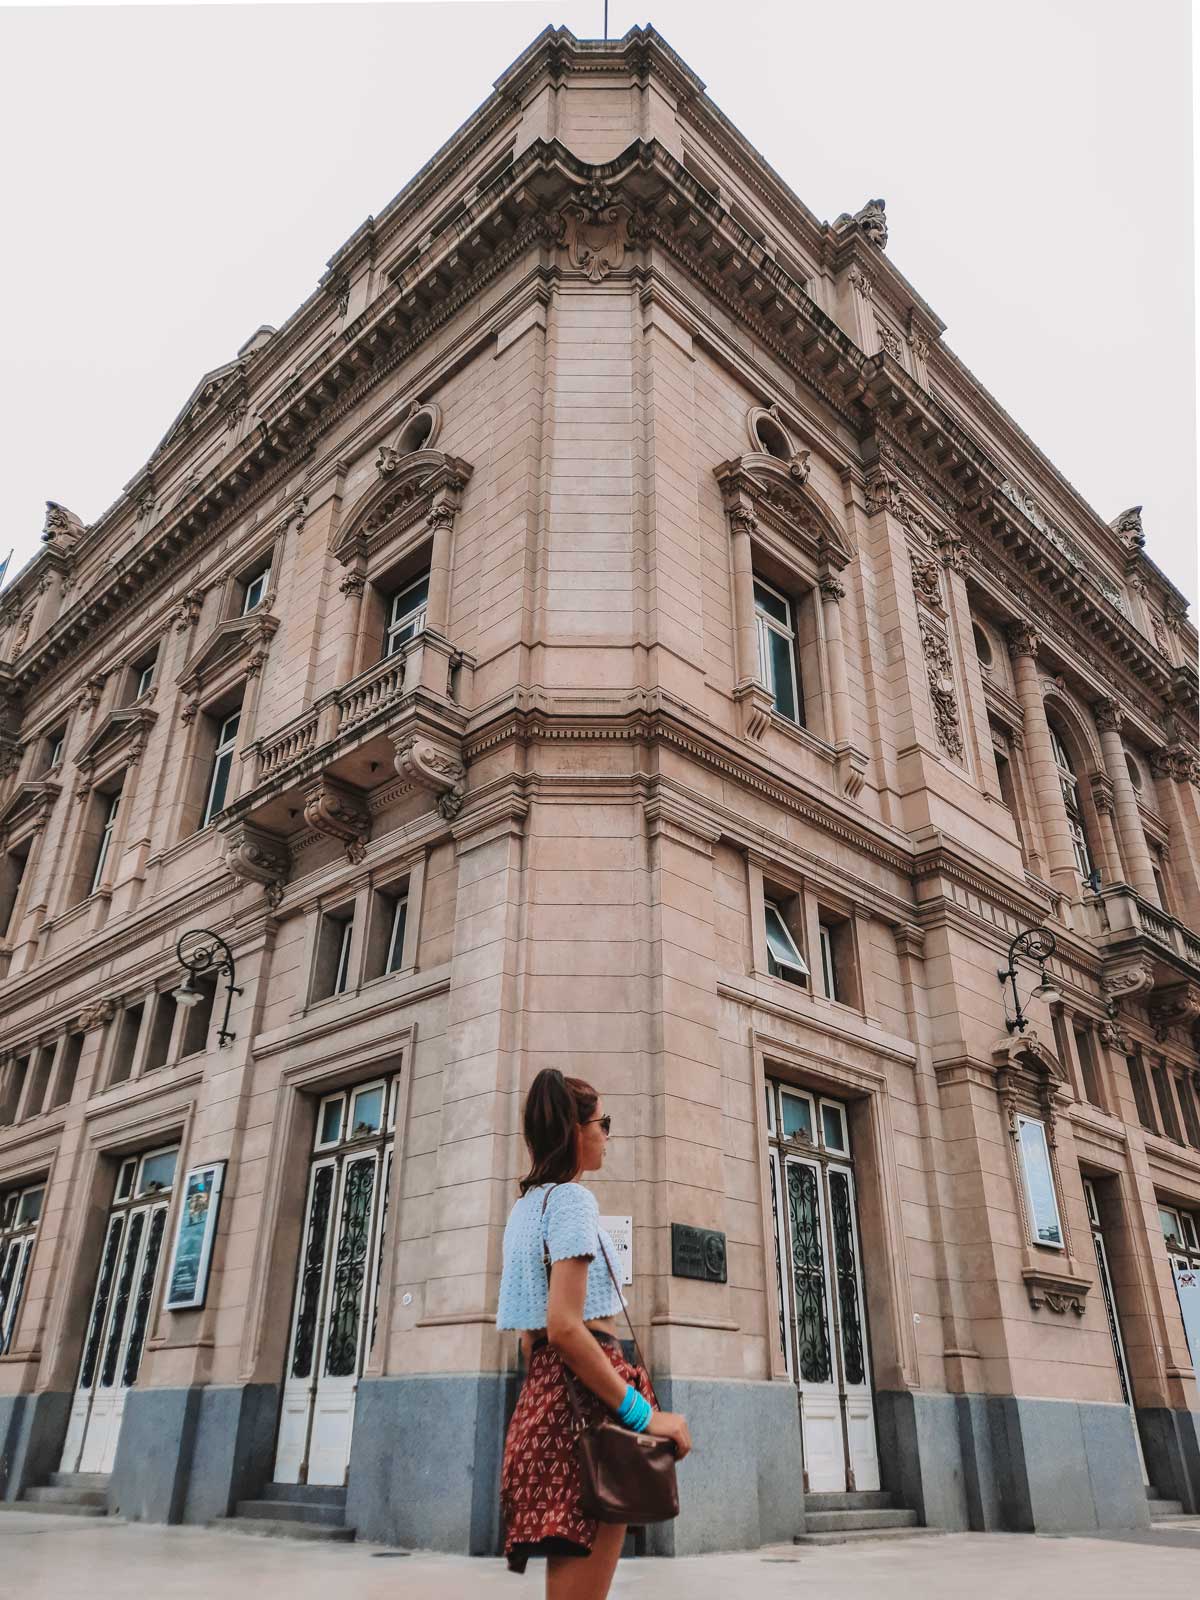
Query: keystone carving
[[97, 1014], [940, 672], [253, 855], [595, 234], [340, 812], [432, 767]]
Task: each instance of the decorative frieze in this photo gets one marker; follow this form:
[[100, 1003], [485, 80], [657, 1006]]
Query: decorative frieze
[[940, 672]]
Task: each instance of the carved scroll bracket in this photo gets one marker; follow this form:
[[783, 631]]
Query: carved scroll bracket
[[253, 855], [595, 233], [339, 811], [434, 767]]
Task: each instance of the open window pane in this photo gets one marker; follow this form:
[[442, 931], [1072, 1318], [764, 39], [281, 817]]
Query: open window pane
[[395, 956], [342, 978], [329, 1125], [256, 589], [218, 786], [158, 1171], [796, 1112], [406, 615], [366, 1115], [783, 674], [1044, 1221], [781, 944]]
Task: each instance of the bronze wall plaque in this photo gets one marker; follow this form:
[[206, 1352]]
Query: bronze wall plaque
[[697, 1253]]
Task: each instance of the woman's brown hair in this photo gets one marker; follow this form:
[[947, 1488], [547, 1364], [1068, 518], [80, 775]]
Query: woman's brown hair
[[554, 1108]]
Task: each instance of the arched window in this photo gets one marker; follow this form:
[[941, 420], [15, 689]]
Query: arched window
[[1069, 784]]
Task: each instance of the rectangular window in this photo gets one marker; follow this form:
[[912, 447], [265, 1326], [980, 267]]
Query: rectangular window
[[1087, 1067], [12, 1082], [777, 672], [395, 954], [255, 590], [218, 786], [828, 970], [342, 976], [1045, 1224], [1141, 1094], [128, 1029], [198, 1020], [106, 838], [783, 958], [55, 745], [12, 870], [1187, 1104], [1171, 1227], [405, 616], [40, 1081], [1166, 1101], [143, 677], [839, 972], [332, 973], [68, 1070], [162, 1026]]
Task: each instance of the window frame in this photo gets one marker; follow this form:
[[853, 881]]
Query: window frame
[[393, 624], [799, 966], [765, 624], [106, 838], [1068, 784], [259, 581], [224, 748], [1032, 1207]]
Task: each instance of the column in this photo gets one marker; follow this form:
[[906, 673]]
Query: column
[[1176, 786], [741, 525], [1135, 852], [1043, 769], [832, 593]]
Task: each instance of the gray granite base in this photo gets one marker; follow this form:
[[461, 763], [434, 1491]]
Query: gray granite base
[[32, 1430], [743, 1484], [1003, 1463], [1171, 1442], [187, 1455], [425, 1461]]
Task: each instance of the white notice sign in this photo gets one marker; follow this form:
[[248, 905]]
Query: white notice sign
[[620, 1231]]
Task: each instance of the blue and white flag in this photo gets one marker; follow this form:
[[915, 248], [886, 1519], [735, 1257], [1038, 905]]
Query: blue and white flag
[[4, 567]]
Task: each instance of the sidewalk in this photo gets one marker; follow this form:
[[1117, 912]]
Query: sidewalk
[[62, 1558]]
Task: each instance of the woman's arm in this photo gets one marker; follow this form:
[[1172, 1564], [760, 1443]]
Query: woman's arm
[[566, 1331]]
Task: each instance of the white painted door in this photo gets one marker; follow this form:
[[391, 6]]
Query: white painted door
[[816, 1364], [122, 1305], [334, 1313], [822, 1323]]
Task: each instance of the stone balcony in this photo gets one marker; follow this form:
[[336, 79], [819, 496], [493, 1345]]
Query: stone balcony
[[403, 717], [1145, 949]]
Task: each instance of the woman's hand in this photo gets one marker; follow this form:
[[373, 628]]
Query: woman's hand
[[671, 1425]]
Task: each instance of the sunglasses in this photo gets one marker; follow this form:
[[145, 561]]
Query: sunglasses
[[605, 1123]]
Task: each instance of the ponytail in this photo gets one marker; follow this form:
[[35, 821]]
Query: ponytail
[[554, 1109]]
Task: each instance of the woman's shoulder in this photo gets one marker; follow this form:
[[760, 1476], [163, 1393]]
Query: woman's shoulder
[[574, 1198]]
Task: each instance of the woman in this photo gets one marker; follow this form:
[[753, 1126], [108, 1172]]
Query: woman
[[565, 1322]]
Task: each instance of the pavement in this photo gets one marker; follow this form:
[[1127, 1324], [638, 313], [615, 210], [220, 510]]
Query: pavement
[[66, 1558]]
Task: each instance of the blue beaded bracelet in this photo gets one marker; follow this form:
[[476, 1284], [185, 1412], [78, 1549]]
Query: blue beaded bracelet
[[635, 1411]]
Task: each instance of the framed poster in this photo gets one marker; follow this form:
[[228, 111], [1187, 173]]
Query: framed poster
[[187, 1281], [1044, 1220], [620, 1231]]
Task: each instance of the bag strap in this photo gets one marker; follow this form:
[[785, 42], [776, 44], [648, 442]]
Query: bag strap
[[637, 1349]]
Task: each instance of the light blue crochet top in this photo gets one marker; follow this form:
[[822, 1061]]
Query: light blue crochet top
[[572, 1228]]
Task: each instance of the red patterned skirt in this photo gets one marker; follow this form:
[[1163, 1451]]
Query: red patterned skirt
[[540, 1484]]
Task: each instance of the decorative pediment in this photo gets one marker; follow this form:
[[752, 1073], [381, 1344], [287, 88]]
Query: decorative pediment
[[122, 732], [201, 400], [241, 641], [1028, 1071], [28, 807], [776, 494], [424, 485]]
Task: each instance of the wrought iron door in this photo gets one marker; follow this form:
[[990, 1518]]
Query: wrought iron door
[[822, 1322], [335, 1309]]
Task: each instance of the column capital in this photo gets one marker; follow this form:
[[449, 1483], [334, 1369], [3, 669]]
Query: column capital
[[1108, 714], [831, 587], [1022, 639]]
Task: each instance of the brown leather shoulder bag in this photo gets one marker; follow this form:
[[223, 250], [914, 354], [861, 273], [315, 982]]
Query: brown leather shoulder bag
[[626, 1476]]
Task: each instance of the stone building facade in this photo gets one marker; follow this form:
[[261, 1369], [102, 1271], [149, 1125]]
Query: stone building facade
[[607, 627]]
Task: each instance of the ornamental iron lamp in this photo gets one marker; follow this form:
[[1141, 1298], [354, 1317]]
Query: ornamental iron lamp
[[201, 951], [1038, 945]]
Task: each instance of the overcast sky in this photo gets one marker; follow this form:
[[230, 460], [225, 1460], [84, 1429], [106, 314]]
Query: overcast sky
[[175, 177]]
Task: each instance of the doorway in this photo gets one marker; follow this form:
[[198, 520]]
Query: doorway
[[818, 1258], [336, 1302], [121, 1307]]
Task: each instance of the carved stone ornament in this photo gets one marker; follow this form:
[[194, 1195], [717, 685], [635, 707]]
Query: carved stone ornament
[[883, 493], [872, 219], [353, 584], [188, 713], [940, 672], [918, 344], [927, 582], [61, 527], [1113, 1038], [187, 610], [93, 688], [595, 232], [387, 460], [889, 340], [1103, 794], [850, 767], [255, 856], [831, 587], [1108, 715], [97, 1014], [1175, 1007], [862, 283], [432, 767], [340, 812], [1022, 640], [1124, 982], [952, 548], [1054, 1299], [1128, 527]]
